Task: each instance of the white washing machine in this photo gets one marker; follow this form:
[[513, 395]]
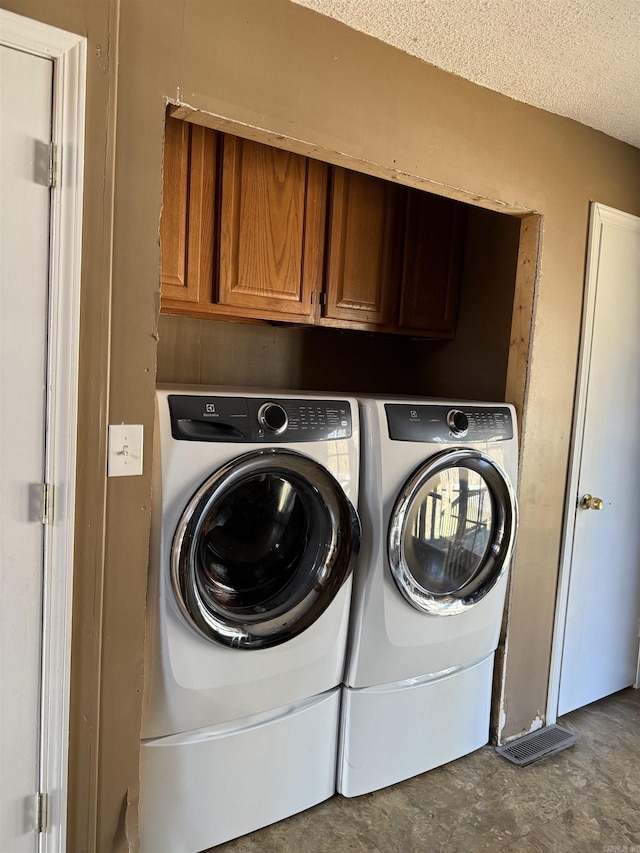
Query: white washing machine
[[439, 518], [254, 537]]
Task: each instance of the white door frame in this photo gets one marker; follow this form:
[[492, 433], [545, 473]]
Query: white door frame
[[600, 215], [68, 52]]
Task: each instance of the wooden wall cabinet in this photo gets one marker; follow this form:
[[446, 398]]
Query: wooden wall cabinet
[[393, 259], [242, 228], [432, 264], [364, 251], [271, 232], [254, 233], [187, 232]]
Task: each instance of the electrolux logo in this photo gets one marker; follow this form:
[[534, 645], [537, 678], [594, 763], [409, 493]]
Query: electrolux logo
[[209, 408]]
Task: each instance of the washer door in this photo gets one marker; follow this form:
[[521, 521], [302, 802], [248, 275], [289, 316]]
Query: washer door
[[452, 531], [262, 549]]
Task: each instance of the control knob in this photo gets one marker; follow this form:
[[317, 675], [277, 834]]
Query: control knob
[[273, 418], [458, 422]]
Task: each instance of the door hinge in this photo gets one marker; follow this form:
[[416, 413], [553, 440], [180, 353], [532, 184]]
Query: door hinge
[[53, 164], [41, 503], [47, 503], [323, 298], [41, 812]]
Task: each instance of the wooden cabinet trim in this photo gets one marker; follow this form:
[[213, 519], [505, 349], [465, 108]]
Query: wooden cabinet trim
[[314, 235], [202, 208]]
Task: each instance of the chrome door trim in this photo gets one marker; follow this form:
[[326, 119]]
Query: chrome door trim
[[332, 568], [498, 554]]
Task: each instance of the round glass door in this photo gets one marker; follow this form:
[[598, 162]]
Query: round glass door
[[262, 549], [452, 531]]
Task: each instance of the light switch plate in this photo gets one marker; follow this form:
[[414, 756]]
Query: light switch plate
[[124, 457]]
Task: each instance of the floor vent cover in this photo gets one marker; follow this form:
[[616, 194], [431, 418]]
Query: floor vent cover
[[536, 745]]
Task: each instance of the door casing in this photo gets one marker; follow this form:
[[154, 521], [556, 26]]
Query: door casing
[[69, 54], [599, 214]]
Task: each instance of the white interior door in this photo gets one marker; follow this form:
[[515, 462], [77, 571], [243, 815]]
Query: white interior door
[[599, 634], [26, 90]]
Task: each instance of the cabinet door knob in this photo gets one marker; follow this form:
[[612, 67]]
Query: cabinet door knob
[[589, 502]]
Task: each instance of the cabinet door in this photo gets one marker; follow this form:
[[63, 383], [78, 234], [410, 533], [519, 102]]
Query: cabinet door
[[188, 213], [272, 231], [432, 264], [363, 262]]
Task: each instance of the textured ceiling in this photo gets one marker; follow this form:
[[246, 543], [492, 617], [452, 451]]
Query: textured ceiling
[[576, 58]]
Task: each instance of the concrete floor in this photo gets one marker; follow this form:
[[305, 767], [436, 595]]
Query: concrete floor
[[586, 798]]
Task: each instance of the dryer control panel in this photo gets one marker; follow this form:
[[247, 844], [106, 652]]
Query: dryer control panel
[[448, 424], [271, 420]]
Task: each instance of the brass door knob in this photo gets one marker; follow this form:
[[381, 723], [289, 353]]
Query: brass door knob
[[589, 502]]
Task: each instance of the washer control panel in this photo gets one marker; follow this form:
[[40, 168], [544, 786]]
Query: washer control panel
[[448, 424], [252, 419]]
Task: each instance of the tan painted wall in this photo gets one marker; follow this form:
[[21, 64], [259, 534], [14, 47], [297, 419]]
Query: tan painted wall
[[280, 67]]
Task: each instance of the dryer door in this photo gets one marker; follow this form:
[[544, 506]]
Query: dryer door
[[262, 549], [452, 531]]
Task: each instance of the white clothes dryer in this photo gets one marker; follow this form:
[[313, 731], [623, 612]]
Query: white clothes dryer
[[439, 517], [254, 536]]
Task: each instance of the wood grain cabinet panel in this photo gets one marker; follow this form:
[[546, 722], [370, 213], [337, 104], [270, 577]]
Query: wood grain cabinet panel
[[272, 231], [243, 238], [364, 250], [432, 264], [187, 224], [175, 195]]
